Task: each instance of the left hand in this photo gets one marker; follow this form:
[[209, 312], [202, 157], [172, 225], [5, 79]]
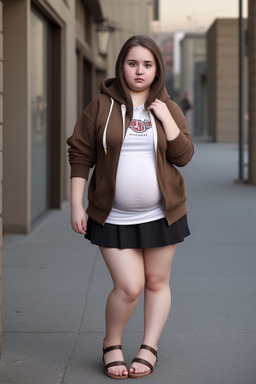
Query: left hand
[[163, 114], [160, 110]]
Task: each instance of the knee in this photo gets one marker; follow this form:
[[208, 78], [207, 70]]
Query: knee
[[132, 293], [156, 283]]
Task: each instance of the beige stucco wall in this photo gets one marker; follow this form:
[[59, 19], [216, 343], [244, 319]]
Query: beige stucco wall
[[222, 80], [16, 139]]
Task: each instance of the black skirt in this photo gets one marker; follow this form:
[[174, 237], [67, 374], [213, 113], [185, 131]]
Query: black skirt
[[147, 235]]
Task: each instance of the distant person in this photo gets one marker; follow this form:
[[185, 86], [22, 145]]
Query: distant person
[[134, 136], [186, 102]]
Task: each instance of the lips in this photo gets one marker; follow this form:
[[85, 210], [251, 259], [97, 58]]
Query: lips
[[139, 79]]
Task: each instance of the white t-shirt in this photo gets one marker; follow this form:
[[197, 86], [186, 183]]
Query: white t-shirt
[[137, 198]]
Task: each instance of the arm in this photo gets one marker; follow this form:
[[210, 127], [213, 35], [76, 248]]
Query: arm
[[180, 147], [78, 217], [82, 157]]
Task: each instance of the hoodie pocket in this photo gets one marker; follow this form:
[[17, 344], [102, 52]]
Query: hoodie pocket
[[173, 190], [99, 193]]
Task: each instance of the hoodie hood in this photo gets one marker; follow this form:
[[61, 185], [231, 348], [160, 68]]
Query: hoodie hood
[[110, 88]]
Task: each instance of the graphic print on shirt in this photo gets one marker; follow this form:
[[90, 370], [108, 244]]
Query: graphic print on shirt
[[140, 126]]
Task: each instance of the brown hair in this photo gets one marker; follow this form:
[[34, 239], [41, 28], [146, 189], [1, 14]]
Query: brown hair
[[159, 81]]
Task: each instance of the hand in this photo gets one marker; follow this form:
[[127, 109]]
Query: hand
[[163, 114], [78, 219], [160, 110]]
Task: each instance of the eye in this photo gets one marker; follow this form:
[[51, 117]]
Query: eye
[[148, 65], [132, 64]]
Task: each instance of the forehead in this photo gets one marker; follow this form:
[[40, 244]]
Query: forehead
[[140, 53]]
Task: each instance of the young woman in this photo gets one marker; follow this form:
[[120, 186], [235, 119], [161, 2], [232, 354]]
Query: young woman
[[135, 136]]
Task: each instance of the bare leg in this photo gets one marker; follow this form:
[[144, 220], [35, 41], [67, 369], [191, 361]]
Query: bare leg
[[157, 300], [127, 271]]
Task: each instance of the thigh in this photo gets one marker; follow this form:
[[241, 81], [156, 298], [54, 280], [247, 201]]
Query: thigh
[[158, 262], [126, 266]]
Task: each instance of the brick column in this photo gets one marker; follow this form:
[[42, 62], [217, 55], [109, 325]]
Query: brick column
[[252, 89], [1, 157]]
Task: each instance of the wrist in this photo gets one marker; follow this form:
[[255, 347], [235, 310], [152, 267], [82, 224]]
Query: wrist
[[75, 204], [172, 131]]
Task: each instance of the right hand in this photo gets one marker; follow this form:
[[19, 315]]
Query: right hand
[[78, 219]]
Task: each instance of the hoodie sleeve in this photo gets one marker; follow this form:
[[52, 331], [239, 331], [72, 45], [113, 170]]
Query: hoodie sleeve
[[82, 144], [181, 149]]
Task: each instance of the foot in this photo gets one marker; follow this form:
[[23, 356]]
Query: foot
[[114, 356], [138, 368]]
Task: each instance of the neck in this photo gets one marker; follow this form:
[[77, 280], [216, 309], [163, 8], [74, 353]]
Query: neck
[[138, 98]]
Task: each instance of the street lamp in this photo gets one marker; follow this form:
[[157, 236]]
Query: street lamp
[[103, 32], [241, 92]]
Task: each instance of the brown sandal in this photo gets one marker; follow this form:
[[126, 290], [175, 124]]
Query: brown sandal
[[114, 363], [144, 362]]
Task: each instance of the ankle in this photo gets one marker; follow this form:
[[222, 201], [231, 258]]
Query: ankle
[[110, 342], [151, 344]]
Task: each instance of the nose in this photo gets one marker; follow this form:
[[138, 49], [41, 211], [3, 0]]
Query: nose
[[139, 69]]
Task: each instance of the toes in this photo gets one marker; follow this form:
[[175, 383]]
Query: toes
[[139, 369], [122, 372]]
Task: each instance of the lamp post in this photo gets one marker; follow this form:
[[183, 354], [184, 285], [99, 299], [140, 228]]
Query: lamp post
[[103, 32], [241, 92]]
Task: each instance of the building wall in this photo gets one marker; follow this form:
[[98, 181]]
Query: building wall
[[222, 80], [1, 157], [252, 89]]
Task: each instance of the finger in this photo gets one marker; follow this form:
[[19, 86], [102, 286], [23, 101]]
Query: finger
[[76, 228], [152, 105], [82, 228]]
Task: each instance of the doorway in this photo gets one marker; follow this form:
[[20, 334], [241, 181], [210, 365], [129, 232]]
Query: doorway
[[45, 114]]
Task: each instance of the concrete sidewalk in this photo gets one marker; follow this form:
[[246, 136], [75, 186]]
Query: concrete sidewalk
[[55, 285]]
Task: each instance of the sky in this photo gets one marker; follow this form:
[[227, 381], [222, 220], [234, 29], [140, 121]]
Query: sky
[[196, 15]]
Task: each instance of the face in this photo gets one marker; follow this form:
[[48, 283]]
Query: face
[[139, 69]]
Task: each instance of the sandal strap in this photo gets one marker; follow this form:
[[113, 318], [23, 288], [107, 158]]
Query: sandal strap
[[111, 348], [114, 364], [152, 350], [144, 362]]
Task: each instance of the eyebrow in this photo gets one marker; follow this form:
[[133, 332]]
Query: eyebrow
[[145, 61]]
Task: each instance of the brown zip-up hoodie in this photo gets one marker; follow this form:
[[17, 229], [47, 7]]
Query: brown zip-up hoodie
[[107, 116]]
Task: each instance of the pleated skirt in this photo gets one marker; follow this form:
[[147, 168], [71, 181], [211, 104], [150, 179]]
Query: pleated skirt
[[146, 235]]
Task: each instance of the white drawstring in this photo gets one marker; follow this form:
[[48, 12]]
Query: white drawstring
[[104, 139], [123, 109]]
